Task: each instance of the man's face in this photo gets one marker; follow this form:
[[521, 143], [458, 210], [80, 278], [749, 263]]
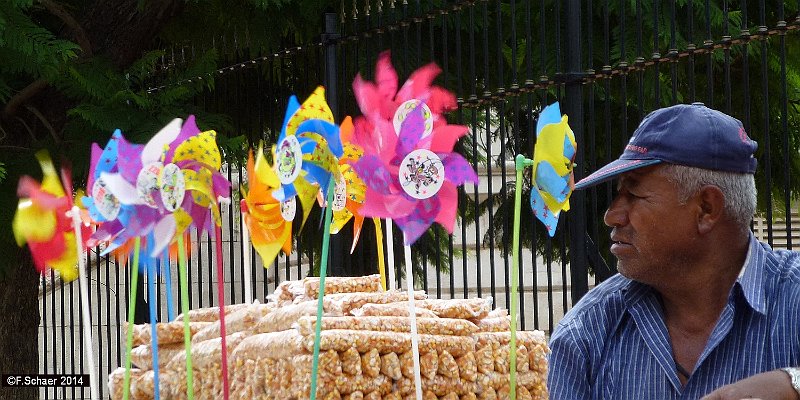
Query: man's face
[[653, 232]]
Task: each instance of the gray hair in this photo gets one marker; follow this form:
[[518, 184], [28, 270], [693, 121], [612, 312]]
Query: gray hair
[[739, 189]]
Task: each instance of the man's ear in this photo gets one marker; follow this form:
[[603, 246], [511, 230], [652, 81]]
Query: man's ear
[[712, 208]]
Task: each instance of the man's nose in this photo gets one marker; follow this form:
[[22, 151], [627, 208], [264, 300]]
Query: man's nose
[[616, 214]]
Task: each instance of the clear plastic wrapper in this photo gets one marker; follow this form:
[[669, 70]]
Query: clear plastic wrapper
[[522, 393], [143, 387], [284, 344], [142, 356], [376, 395], [241, 320], [209, 314], [360, 383], [488, 394], [168, 332], [390, 366], [459, 308], [439, 385], [287, 291], [282, 318], [206, 353], [428, 364], [116, 381], [498, 324], [387, 342], [533, 382], [497, 313], [530, 339], [351, 361], [522, 359], [433, 326], [344, 303], [447, 365], [399, 309], [371, 363], [501, 359], [357, 395], [467, 367], [334, 285], [407, 364], [484, 359]]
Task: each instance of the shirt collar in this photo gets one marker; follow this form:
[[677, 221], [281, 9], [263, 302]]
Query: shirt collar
[[751, 277]]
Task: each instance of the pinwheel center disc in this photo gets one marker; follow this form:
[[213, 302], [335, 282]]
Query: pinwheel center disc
[[289, 159], [340, 195], [173, 187], [421, 174], [402, 112], [289, 209], [147, 183], [106, 203]]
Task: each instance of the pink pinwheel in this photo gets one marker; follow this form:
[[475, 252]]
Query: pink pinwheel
[[409, 166]]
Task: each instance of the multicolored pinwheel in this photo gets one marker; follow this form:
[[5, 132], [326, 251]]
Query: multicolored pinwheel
[[300, 151], [553, 158], [350, 190], [42, 222], [154, 179], [409, 166]]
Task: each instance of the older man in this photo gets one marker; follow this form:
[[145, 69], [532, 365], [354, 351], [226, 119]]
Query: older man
[[699, 307]]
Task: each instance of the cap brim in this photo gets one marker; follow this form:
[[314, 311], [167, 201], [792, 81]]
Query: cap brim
[[611, 170]]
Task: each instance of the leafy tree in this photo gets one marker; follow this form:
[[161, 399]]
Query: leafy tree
[[72, 72]]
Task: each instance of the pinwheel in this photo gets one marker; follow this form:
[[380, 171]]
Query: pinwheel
[[349, 192], [42, 220], [51, 224], [308, 148], [306, 153], [409, 166], [553, 158], [414, 181], [553, 182], [269, 221]]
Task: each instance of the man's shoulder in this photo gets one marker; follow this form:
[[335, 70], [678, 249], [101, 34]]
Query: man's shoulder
[[784, 263], [600, 306]]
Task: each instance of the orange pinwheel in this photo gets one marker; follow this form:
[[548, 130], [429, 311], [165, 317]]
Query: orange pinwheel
[[349, 193]]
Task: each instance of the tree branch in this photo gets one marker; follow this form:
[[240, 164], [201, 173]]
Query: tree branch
[[80, 35], [23, 96], [45, 122]]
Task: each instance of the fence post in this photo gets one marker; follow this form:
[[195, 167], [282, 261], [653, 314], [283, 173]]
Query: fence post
[[573, 106], [336, 257]]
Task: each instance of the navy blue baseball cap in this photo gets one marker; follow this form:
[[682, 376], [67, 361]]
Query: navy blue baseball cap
[[685, 134]]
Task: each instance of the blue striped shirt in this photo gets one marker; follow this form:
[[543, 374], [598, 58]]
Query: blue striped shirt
[[614, 343]]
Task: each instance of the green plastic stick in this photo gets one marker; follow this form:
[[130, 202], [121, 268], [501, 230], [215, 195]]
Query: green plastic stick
[[134, 267], [326, 237], [187, 334], [521, 163]]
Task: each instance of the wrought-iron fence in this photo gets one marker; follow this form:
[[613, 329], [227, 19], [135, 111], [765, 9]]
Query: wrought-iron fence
[[607, 62]]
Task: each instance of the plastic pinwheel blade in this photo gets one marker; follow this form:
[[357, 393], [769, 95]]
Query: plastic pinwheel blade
[[553, 158]]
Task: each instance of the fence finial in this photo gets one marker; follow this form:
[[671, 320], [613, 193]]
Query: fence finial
[[355, 9], [366, 9], [380, 6]]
